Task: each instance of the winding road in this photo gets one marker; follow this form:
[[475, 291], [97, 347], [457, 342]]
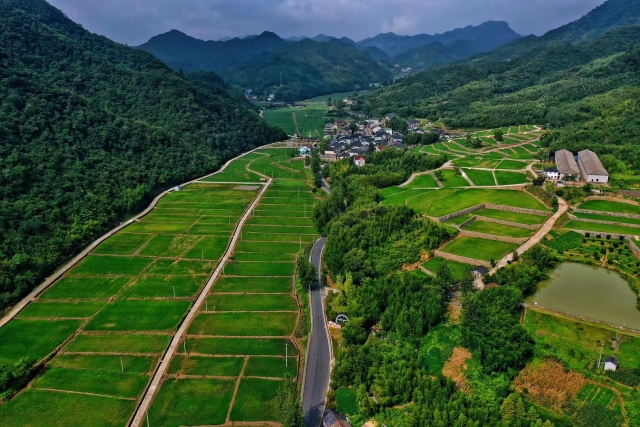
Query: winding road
[[318, 364]]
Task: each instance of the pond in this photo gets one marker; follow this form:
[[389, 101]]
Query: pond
[[588, 291]]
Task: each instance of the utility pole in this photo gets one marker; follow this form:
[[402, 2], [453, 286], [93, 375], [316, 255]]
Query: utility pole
[[286, 357]]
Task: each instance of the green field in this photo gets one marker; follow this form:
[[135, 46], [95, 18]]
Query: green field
[[62, 309], [240, 346], [510, 178], [252, 302], [122, 244], [480, 249], [521, 218], [128, 364], [610, 206], [110, 265], [169, 246], [85, 287], [243, 324], [602, 228], [191, 402], [118, 343], [253, 284], [467, 198], [453, 180], [164, 287], [139, 315], [274, 367], [119, 384], [511, 165], [207, 366], [423, 181], [480, 177], [456, 268], [478, 162], [254, 400], [608, 218], [498, 229], [310, 119], [237, 171]]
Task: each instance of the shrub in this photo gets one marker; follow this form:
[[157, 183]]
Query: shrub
[[347, 401]]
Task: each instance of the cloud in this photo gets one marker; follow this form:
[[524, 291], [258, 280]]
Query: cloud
[[135, 21]]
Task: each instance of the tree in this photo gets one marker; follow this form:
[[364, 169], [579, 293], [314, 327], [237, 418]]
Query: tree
[[315, 163], [287, 404], [498, 134], [339, 104], [539, 180], [354, 127], [467, 281], [439, 175], [329, 102]]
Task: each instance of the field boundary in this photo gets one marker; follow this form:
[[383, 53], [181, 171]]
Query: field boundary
[[16, 309], [154, 386]]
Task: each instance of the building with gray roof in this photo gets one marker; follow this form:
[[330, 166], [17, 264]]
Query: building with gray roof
[[591, 168], [566, 164]]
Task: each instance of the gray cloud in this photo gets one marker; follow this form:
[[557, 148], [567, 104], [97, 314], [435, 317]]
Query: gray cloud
[[135, 21]]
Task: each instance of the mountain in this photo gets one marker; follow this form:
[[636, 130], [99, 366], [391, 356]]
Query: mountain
[[581, 79], [90, 131], [488, 35], [182, 52], [309, 69]]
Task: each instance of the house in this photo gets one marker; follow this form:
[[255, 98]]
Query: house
[[380, 148], [359, 161], [177, 188], [566, 164], [480, 270], [252, 98], [413, 124], [373, 122], [305, 151], [334, 419], [271, 97], [349, 102], [591, 168], [551, 173], [329, 156], [610, 364], [328, 128], [368, 131]]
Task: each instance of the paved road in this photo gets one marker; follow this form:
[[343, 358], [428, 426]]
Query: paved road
[[325, 186], [318, 367]]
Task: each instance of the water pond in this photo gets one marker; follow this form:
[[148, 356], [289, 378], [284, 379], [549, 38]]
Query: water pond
[[591, 292]]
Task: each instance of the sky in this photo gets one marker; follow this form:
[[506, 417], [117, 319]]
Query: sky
[[133, 22]]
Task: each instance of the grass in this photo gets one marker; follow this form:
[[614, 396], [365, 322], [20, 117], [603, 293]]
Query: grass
[[259, 268], [309, 119], [258, 257], [240, 346], [480, 249], [273, 367], [467, 198], [253, 284], [457, 268], [510, 178], [120, 384], [423, 181], [33, 338], [79, 309], [244, 324], [565, 241], [610, 206], [459, 219], [254, 401], [511, 165], [602, 228], [158, 227], [118, 343], [130, 364], [521, 218], [497, 229], [279, 237], [280, 221], [608, 218], [164, 287], [236, 171], [191, 402], [209, 248], [480, 177], [122, 244], [212, 229], [40, 408], [139, 315], [207, 366], [250, 302], [110, 265], [477, 162], [182, 267], [453, 180], [272, 248], [296, 231], [85, 287], [169, 246]]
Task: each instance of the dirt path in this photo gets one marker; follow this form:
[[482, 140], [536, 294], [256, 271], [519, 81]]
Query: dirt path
[[546, 228], [154, 386]]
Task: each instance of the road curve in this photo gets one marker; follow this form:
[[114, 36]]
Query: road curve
[[318, 366]]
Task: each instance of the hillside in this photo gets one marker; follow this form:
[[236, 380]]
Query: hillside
[[90, 131], [309, 69], [488, 36], [182, 52], [567, 85]]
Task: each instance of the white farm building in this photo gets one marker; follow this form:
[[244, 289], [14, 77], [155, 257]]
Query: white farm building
[[591, 168], [565, 165]]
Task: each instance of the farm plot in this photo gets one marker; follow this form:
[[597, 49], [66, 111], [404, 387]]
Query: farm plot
[[521, 218], [463, 199], [119, 308], [497, 229], [609, 218], [451, 179], [478, 162], [237, 171], [511, 165], [610, 206], [423, 181], [603, 228], [480, 177], [510, 178], [481, 249]]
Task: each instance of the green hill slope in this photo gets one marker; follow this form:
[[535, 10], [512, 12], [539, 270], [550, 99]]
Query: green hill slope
[[90, 130]]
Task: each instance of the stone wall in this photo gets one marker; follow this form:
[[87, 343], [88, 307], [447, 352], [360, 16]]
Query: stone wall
[[518, 210], [493, 237], [601, 235], [598, 221], [460, 213], [503, 222], [612, 199], [469, 221], [634, 247], [619, 215], [462, 259]]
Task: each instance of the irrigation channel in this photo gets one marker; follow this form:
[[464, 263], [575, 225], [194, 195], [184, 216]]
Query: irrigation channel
[[590, 292]]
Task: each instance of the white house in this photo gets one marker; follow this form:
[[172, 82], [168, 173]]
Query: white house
[[359, 161], [551, 173], [566, 164], [591, 167], [610, 364], [305, 151]]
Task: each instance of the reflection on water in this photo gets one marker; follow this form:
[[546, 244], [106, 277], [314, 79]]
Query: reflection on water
[[591, 292]]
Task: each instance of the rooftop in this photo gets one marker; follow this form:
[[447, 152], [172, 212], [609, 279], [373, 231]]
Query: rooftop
[[591, 163], [566, 163]]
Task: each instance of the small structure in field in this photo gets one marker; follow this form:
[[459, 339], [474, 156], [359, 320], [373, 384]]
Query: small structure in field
[[611, 364], [480, 270], [359, 161]]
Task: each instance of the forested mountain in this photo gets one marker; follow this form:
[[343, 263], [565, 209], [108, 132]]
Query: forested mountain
[[90, 130], [488, 36], [588, 87], [309, 69], [182, 52]]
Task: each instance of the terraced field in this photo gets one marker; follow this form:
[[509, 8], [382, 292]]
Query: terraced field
[[109, 319]]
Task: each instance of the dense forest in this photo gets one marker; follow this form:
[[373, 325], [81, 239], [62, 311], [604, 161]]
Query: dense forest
[[90, 130], [581, 78]]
